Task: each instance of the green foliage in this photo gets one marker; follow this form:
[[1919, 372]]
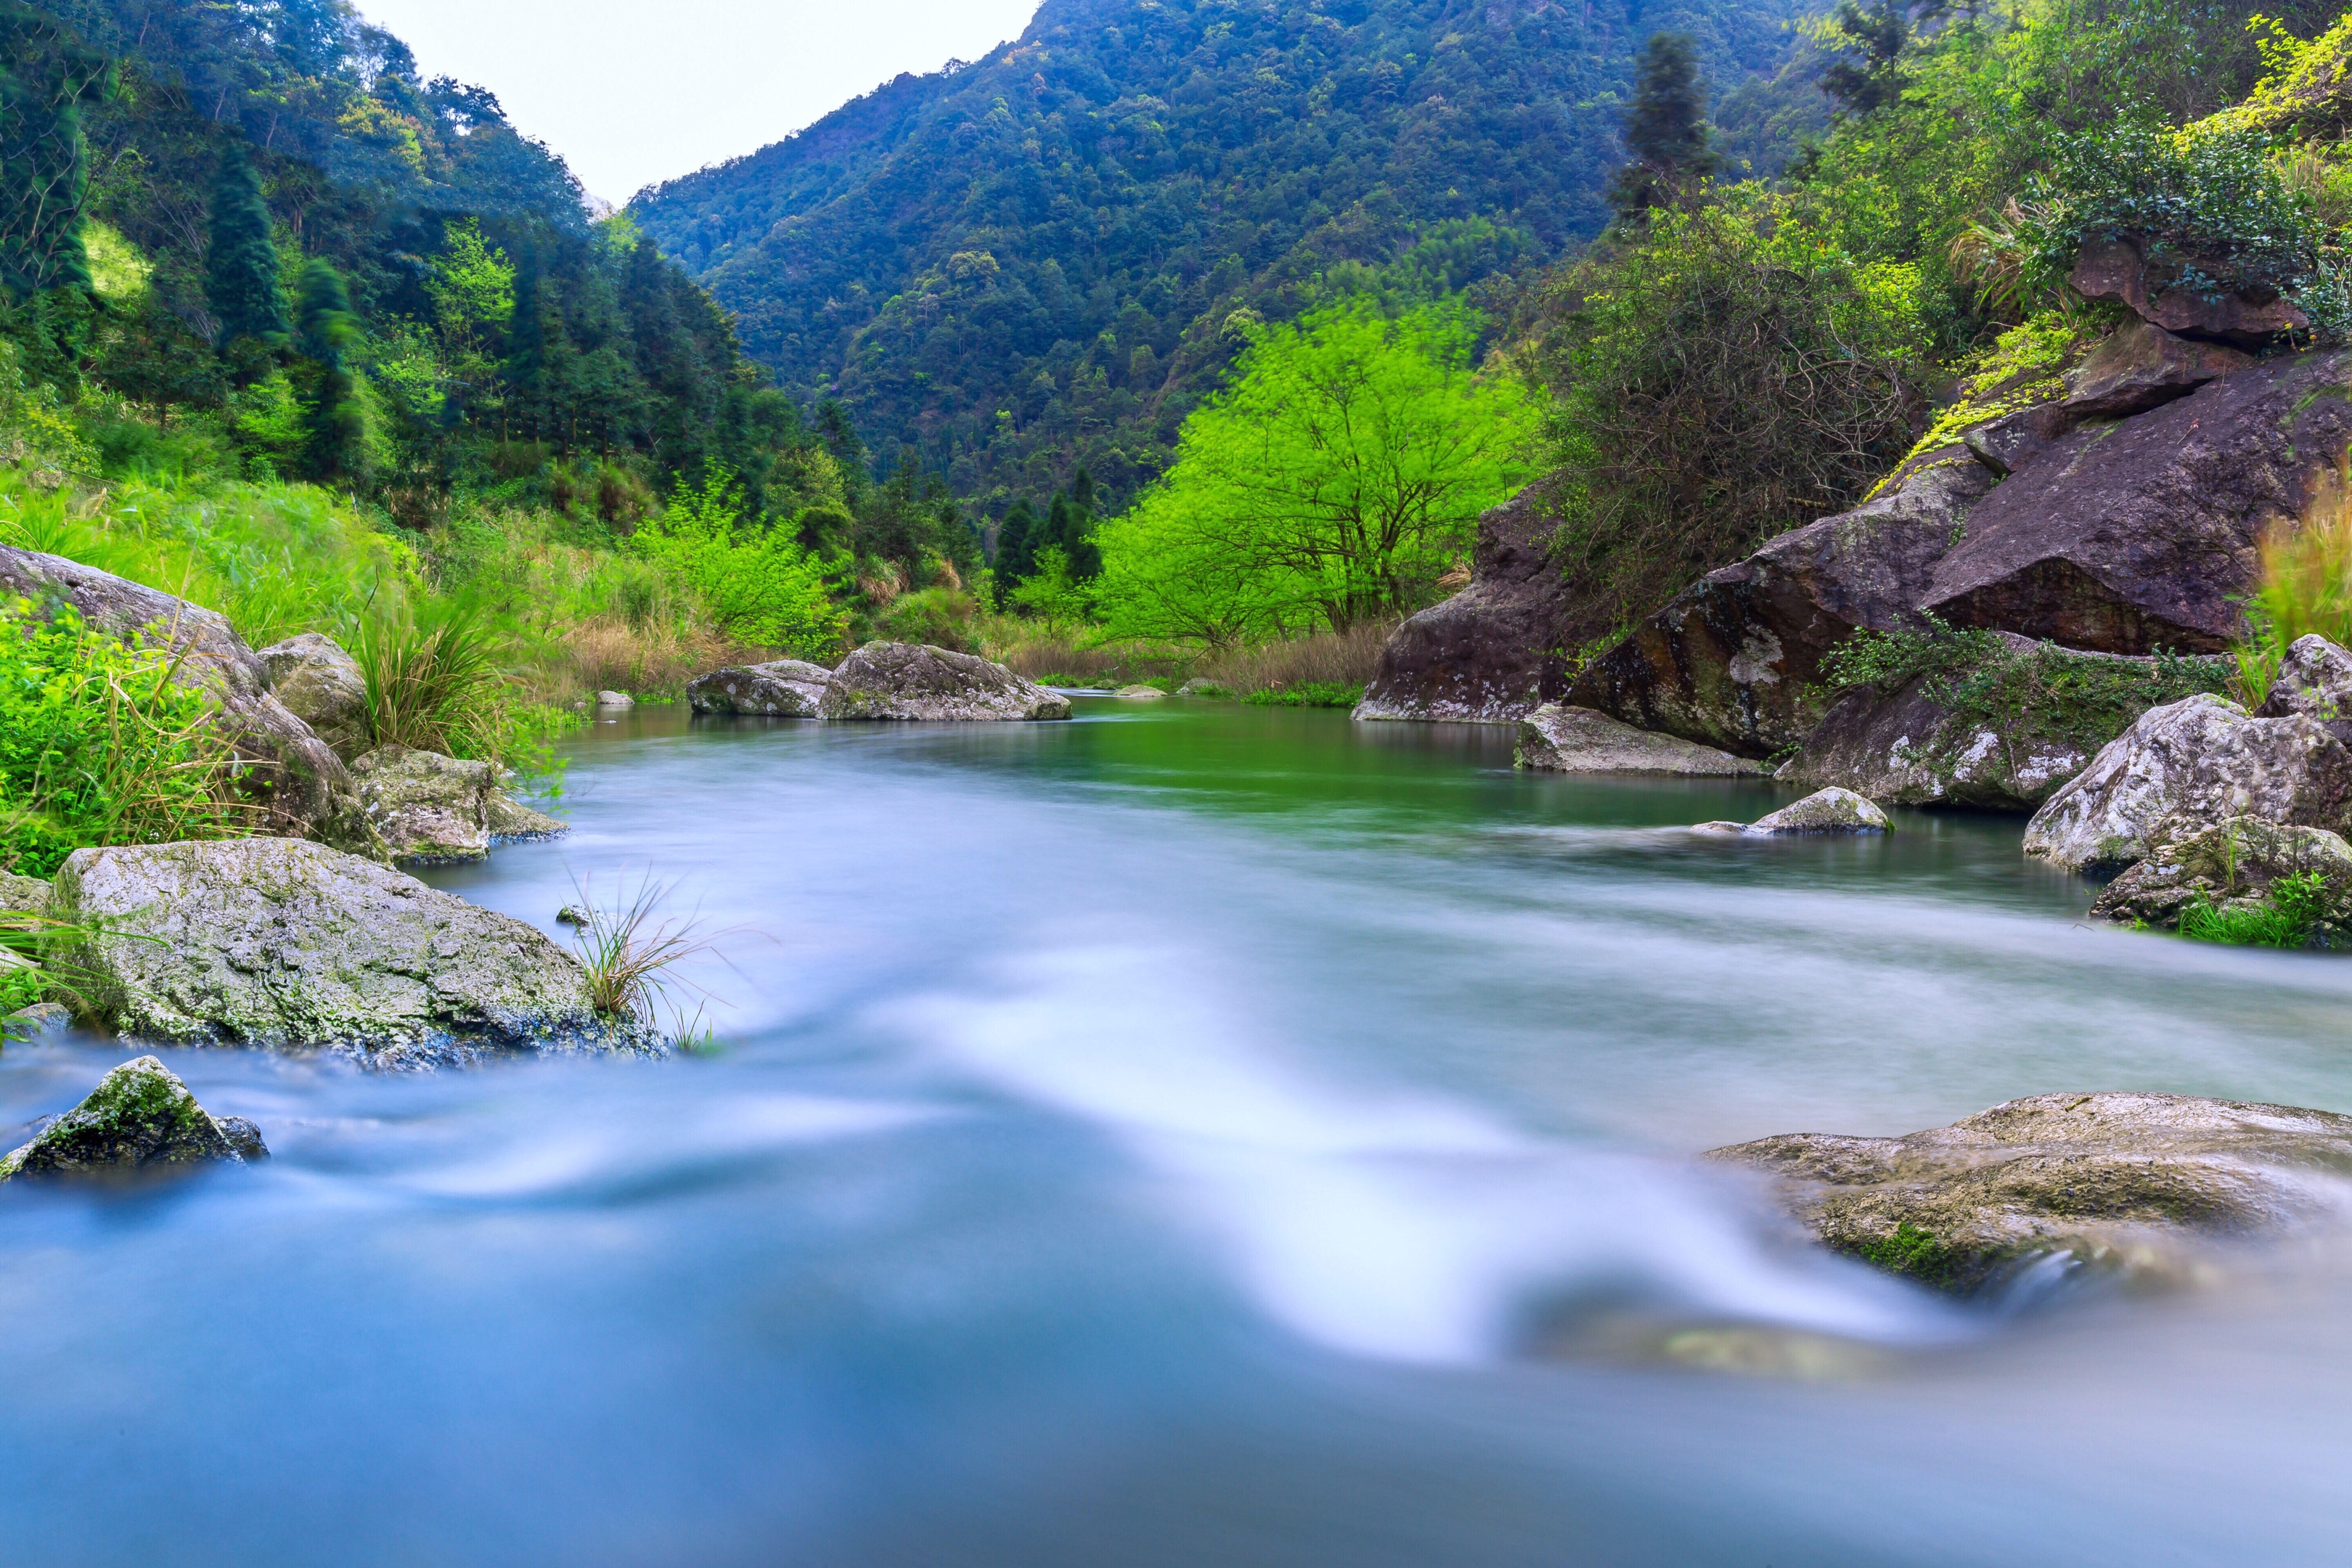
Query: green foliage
[[1308, 694], [1665, 129], [2305, 587], [2024, 368], [436, 680], [99, 745], [1050, 595], [1334, 482], [1915, 1253], [47, 75], [2284, 917], [940, 617], [755, 580], [241, 285], [2043, 692]]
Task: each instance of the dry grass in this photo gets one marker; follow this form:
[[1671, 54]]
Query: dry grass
[[1323, 659], [607, 653]]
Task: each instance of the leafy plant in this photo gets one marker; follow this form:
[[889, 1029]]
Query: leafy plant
[[756, 581], [2284, 917], [436, 680], [2304, 586], [1311, 694]]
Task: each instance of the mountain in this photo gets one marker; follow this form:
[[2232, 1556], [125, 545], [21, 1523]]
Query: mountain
[[1034, 263]]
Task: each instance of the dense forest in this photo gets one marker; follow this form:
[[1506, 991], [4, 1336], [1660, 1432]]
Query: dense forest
[[1041, 261]]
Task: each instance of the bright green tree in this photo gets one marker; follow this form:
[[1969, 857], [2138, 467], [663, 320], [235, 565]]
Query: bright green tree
[[241, 259], [1338, 479]]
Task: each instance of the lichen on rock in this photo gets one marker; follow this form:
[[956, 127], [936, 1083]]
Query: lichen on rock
[[779, 688], [917, 682], [140, 1117]]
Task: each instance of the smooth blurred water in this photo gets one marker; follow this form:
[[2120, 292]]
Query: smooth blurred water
[[1189, 1135]]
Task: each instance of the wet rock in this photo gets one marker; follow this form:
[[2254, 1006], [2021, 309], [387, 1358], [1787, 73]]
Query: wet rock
[[285, 945], [1734, 662], [139, 1117], [2140, 366], [1907, 748], [323, 686], [509, 821], [301, 786], [2187, 766], [2134, 536], [40, 1019], [781, 689], [23, 895], [1139, 693], [1489, 654], [914, 681], [1557, 739], [2173, 294], [2233, 866], [432, 810], [616, 699], [2137, 1182], [1720, 829], [1823, 811]]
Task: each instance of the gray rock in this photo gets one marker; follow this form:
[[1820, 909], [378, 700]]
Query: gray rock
[[1202, 686], [40, 1019], [2231, 866], [139, 1117], [1556, 738], [285, 945], [432, 810], [2136, 1182], [1824, 811], [1905, 748], [616, 699], [23, 895], [509, 821], [323, 686], [781, 689], [300, 785], [1139, 693], [2315, 680], [2187, 766], [914, 681]]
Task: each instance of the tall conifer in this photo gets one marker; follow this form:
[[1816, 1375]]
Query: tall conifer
[[1665, 129], [327, 329], [241, 263]]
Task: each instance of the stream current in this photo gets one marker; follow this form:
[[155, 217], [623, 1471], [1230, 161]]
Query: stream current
[[1189, 1135]]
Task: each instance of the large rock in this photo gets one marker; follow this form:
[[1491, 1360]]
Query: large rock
[[2132, 537], [139, 1117], [781, 689], [1490, 654], [23, 895], [2140, 366], [2314, 679], [1554, 739], [299, 784], [1734, 662], [323, 686], [2234, 866], [2187, 766], [2137, 1182], [2176, 294], [914, 681], [1907, 748], [433, 810], [292, 946], [1823, 811]]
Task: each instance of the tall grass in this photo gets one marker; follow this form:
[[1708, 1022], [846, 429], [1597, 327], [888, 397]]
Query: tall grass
[[2305, 586], [629, 951], [436, 678], [1322, 661]]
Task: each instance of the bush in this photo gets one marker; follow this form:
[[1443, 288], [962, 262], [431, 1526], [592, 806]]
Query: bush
[[2284, 917], [1312, 694], [942, 618], [99, 745], [756, 582], [2305, 586]]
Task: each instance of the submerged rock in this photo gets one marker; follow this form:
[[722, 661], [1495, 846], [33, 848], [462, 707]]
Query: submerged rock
[[781, 689], [292, 946], [2187, 766], [914, 681], [2130, 1182], [323, 686], [1140, 693], [1824, 811], [140, 1117], [1578, 741], [2233, 866]]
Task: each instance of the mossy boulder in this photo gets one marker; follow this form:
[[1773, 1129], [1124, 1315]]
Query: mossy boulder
[[2236, 867], [23, 895], [1832, 810], [1909, 747], [917, 682], [2140, 1183], [433, 810], [323, 686], [139, 1117], [781, 689], [286, 945]]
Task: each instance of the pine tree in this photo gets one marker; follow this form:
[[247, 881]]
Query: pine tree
[[1867, 75], [1665, 129], [45, 76], [241, 262], [1016, 550], [526, 364], [327, 329]]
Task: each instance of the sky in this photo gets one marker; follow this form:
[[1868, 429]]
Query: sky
[[630, 93]]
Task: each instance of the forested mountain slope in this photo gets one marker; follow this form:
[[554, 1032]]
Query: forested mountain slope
[[1028, 264]]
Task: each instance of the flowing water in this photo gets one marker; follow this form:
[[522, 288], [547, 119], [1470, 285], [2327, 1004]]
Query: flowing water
[[1191, 1135]]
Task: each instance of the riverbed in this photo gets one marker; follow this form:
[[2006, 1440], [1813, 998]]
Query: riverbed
[[1191, 1135]]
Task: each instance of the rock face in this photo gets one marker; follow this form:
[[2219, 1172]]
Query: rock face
[[913, 681], [1823, 811], [291, 946], [1489, 654], [300, 782], [2132, 1182], [2233, 866], [1554, 739], [139, 1117], [781, 689], [2140, 366], [323, 686], [2170, 294], [1733, 662], [1907, 748], [2187, 766]]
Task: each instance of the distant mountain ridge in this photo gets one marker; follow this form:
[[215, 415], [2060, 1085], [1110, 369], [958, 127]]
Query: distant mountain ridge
[[1030, 263]]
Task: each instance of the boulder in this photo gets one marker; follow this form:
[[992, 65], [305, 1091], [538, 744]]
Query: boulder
[[432, 810], [2176, 294], [781, 689], [1733, 661], [23, 895], [2231, 866], [2140, 366], [2314, 679], [139, 1117], [1139, 693], [296, 778], [325, 687], [1907, 748], [509, 821], [40, 1019], [616, 699], [2187, 766], [1556, 738], [2140, 1183], [913, 681], [1490, 654], [284, 945], [1823, 811], [2139, 535]]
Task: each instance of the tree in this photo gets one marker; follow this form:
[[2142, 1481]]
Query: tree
[[1335, 481], [1666, 130], [1866, 75], [241, 286], [327, 331], [46, 74], [1015, 549]]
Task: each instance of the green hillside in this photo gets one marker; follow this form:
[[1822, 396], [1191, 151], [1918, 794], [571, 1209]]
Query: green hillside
[[1031, 264]]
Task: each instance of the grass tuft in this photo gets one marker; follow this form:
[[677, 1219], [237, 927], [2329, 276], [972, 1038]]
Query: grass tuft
[[629, 953]]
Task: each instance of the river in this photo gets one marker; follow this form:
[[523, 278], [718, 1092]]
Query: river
[[1189, 1135]]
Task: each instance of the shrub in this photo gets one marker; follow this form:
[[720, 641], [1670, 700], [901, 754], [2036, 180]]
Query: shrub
[[756, 582], [2283, 918], [436, 679], [943, 617], [1312, 694]]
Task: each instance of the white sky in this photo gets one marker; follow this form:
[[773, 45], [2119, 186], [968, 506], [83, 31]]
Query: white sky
[[630, 93]]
